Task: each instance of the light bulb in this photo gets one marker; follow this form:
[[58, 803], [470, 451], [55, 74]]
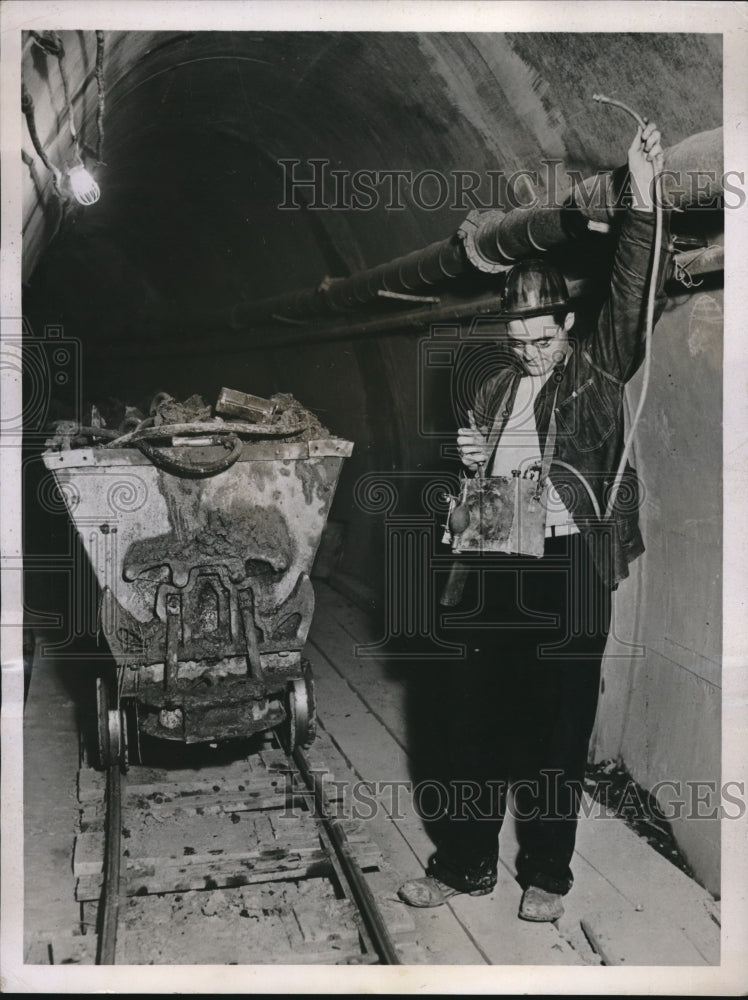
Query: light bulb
[[84, 187]]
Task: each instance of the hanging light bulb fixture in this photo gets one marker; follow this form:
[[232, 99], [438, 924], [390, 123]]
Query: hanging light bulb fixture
[[76, 179], [85, 189]]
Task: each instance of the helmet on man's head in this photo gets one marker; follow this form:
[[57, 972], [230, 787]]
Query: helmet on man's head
[[534, 288]]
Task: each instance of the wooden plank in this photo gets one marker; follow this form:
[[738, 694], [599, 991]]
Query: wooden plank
[[650, 884], [505, 939], [320, 921], [171, 785], [310, 954], [219, 858], [88, 858], [358, 733], [200, 871], [215, 806], [93, 812], [639, 938], [210, 876], [366, 854], [169, 790], [256, 842], [146, 834], [159, 855], [50, 807], [215, 876], [337, 629], [91, 785], [219, 805], [593, 893], [297, 922], [257, 860], [374, 755], [617, 874], [398, 918], [59, 948], [169, 846], [331, 606], [91, 816], [239, 769], [273, 760]]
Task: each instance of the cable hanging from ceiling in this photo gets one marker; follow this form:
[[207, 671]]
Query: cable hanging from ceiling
[[75, 179], [27, 106], [100, 96]]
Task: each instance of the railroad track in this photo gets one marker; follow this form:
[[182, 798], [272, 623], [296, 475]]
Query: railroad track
[[243, 861]]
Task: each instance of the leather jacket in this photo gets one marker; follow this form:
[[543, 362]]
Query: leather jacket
[[587, 393]]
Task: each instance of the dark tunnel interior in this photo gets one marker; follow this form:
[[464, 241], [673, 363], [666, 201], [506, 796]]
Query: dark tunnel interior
[[205, 133], [197, 124]]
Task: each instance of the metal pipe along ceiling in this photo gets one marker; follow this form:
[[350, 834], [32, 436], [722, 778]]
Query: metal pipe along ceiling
[[491, 241]]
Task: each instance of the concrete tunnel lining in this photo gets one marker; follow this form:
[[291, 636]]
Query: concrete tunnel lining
[[196, 123]]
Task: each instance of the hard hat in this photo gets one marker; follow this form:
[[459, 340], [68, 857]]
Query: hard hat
[[533, 288]]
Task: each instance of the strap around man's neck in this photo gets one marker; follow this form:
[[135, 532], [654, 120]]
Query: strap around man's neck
[[500, 422]]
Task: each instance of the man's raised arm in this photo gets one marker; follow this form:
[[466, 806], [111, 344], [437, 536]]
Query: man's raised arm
[[617, 346]]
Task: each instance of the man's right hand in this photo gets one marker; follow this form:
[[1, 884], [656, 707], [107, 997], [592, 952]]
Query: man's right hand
[[645, 157], [472, 447]]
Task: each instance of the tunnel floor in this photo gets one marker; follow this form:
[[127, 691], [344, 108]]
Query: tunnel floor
[[629, 905]]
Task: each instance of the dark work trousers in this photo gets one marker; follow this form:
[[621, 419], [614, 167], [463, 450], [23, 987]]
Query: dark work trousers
[[521, 708]]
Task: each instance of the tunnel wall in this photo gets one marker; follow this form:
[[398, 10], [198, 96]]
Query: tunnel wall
[[660, 710], [195, 127]]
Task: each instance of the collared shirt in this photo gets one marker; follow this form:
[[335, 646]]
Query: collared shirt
[[519, 446]]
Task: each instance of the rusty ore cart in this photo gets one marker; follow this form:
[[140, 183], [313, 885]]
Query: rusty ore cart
[[206, 600]]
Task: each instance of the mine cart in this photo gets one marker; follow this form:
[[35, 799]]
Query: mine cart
[[202, 537]]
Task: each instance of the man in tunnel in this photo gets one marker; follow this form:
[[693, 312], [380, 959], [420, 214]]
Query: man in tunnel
[[522, 704]]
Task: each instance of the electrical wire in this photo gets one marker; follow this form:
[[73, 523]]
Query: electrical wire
[[60, 53], [27, 106], [100, 95], [49, 42], [653, 281], [78, 181], [583, 480]]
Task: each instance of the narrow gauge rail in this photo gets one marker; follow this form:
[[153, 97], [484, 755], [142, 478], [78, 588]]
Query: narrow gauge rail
[[246, 862]]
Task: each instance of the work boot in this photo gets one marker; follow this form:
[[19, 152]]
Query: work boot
[[431, 891], [539, 905]]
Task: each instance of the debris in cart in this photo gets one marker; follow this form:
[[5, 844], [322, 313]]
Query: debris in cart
[[115, 424], [232, 403]]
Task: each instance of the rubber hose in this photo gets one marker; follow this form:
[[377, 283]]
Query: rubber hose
[[198, 470], [653, 280]]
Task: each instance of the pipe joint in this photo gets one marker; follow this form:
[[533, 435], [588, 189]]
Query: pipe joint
[[471, 232]]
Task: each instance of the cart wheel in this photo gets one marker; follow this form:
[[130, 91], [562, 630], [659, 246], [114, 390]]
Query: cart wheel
[[112, 745], [131, 730], [300, 727]]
